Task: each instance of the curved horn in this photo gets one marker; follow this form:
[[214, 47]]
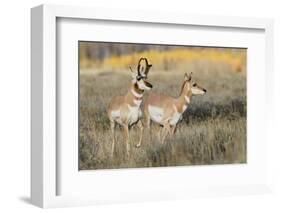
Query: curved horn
[[187, 77], [143, 67]]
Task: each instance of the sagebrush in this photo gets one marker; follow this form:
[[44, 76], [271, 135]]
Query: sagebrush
[[213, 129]]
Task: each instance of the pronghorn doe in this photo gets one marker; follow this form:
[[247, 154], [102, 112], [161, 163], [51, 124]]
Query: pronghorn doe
[[167, 111], [125, 110]]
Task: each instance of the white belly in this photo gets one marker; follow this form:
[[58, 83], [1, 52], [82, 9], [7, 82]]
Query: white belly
[[156, 113], [134, 114]]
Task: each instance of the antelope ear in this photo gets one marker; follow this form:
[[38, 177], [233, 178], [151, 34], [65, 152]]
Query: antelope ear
[[134, 74], [187, 77]]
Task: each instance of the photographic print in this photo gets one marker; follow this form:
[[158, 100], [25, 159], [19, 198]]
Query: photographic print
[[149, 105]]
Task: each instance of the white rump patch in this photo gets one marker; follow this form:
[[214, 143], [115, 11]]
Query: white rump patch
[[155, 113]]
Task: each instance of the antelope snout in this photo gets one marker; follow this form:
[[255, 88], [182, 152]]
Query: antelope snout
[[148, 85]]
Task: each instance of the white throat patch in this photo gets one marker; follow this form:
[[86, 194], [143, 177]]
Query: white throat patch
[[136, 94], [187, 99]]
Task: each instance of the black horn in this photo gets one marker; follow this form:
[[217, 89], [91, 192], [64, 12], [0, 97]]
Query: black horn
[[143, 67]]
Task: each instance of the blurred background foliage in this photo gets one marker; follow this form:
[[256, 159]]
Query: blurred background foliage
[[115, 56]]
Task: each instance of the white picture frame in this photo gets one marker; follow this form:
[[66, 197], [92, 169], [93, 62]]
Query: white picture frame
[[44, 154]]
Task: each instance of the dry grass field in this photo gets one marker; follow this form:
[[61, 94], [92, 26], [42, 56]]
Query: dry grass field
[[213, 129]]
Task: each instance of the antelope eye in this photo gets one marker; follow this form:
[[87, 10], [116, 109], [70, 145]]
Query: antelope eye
[[138, 78], [194, 85]]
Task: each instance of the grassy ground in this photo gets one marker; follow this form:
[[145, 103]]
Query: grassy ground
[[213, 130]]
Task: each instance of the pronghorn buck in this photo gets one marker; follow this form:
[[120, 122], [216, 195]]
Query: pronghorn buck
[[167, 111], [125, 110]]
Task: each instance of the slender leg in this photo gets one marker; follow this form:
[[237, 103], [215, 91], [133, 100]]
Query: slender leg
[[147, 123], [160, 133], [127, 138], [112, 126], [166, 131], [141, 133], [173, 130]]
